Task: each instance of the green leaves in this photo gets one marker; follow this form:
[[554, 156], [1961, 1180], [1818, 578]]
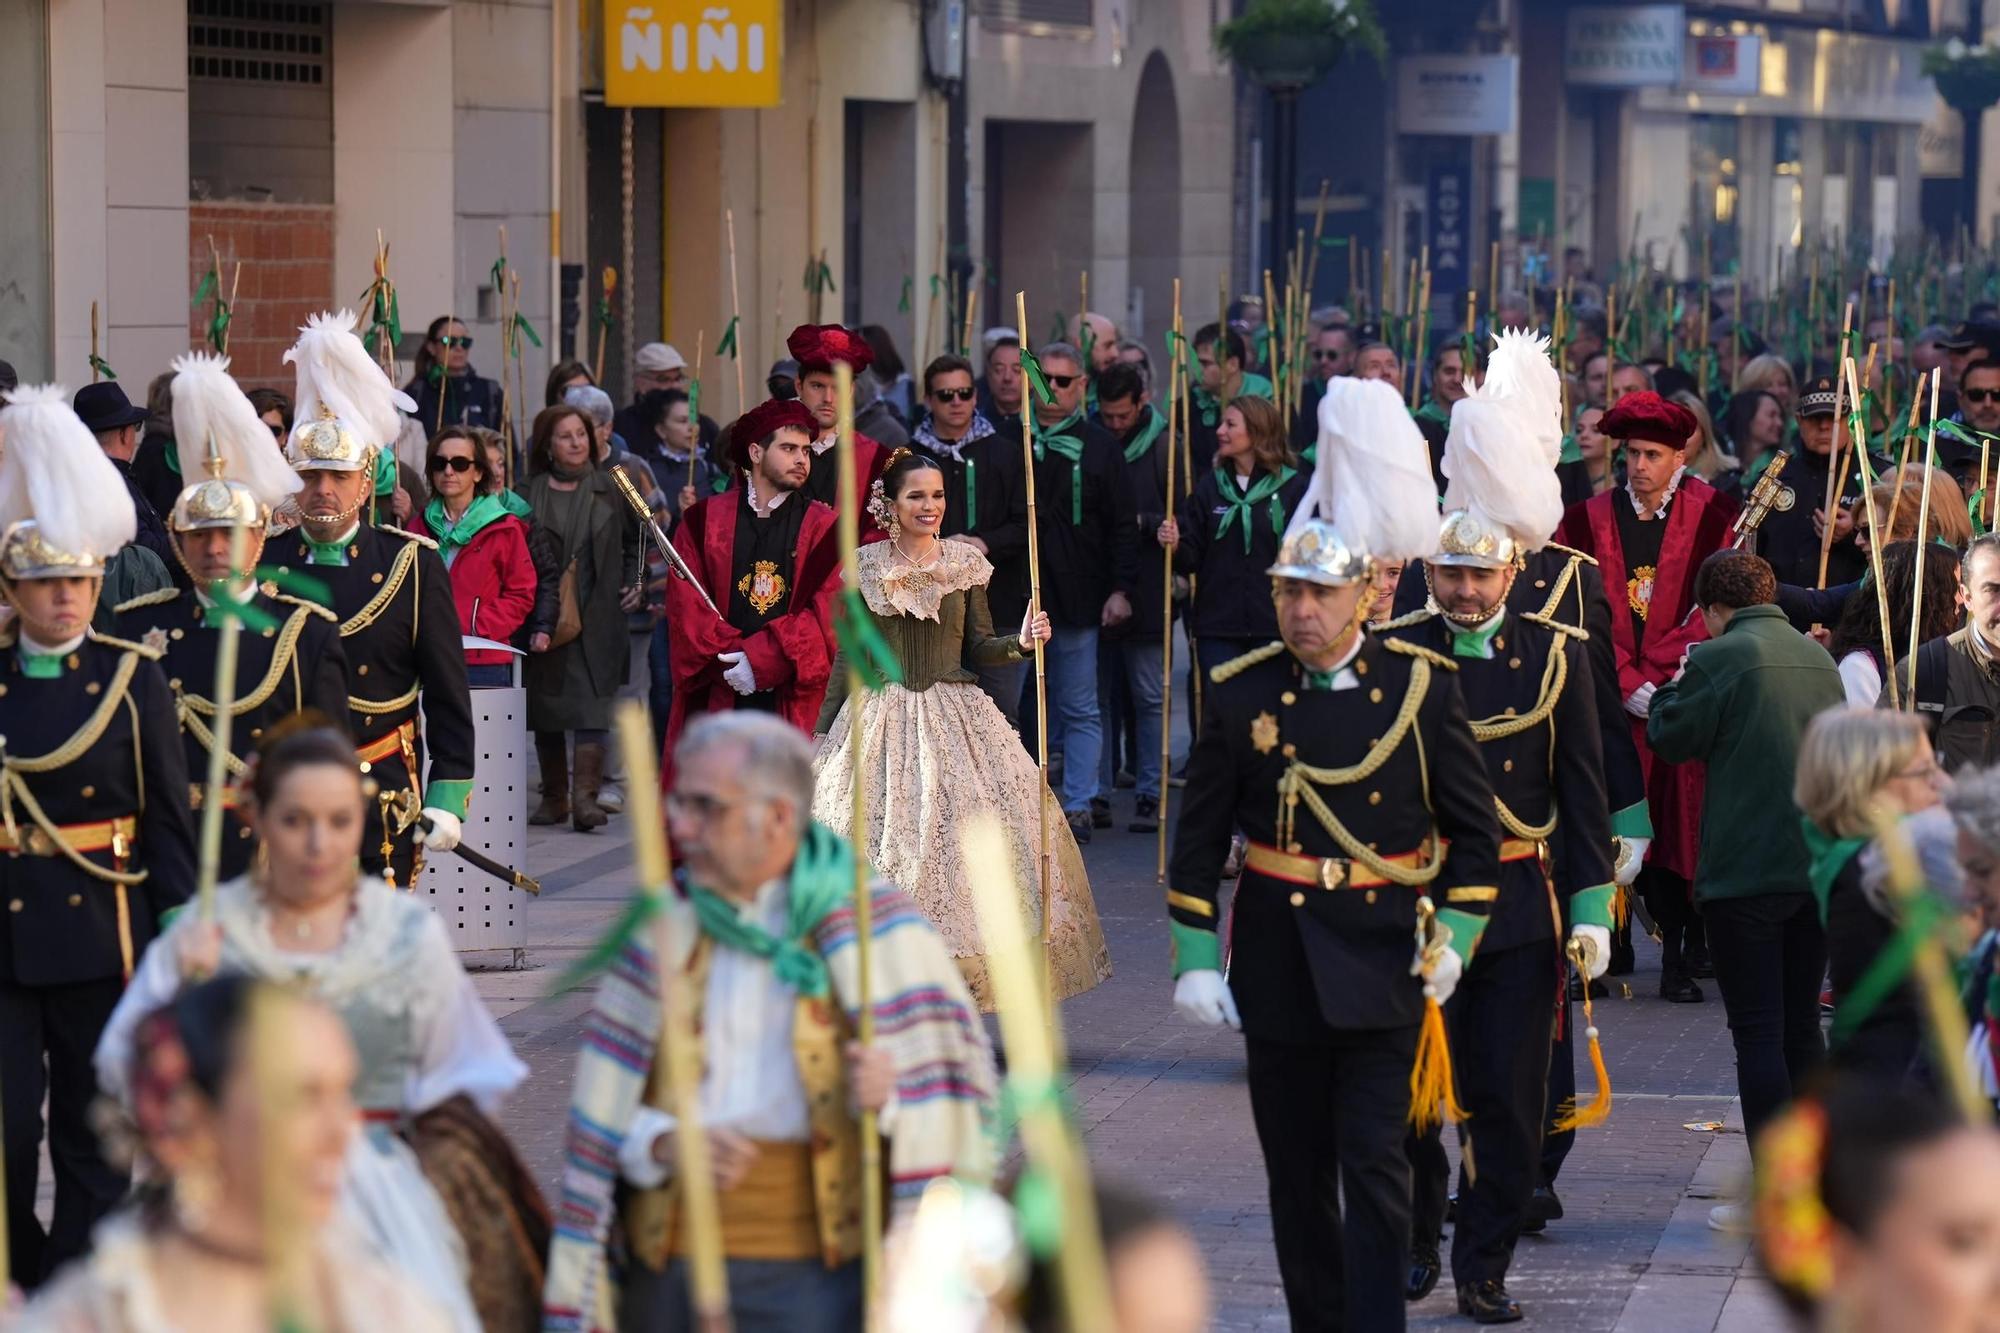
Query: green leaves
[[862, 643], [727, 347], [225, 606], [903, 302], [523, 329], [819, 277], [101, 367], [604, 312], [1031, 366], [295, 582], [204, 289]]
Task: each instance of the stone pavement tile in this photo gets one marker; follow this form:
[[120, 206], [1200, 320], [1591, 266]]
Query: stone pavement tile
[[1753, 1307], [1675, 1303]]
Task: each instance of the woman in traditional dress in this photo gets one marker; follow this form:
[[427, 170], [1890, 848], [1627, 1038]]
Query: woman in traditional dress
[[935, 751], [308, 917], [228, 1078]]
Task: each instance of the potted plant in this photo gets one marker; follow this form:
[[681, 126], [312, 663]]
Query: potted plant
[[1290, 44]]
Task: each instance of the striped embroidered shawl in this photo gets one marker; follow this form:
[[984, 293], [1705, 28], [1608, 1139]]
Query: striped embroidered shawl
[[946, 1119]]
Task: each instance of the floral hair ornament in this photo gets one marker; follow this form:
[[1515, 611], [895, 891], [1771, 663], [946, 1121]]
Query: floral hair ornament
[[880, 507], [1794, 1229]]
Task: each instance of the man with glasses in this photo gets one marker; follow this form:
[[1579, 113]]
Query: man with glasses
[[1332, 355], [445, 368], [1790, 536], [1089, 556], [986, 502], [1978, 411]]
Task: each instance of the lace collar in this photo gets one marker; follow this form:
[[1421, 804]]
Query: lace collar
[[370, 952], [1666, 496], [895, 587]]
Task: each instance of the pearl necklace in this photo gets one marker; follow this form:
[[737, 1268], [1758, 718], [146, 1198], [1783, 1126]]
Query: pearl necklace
[[920, 575]]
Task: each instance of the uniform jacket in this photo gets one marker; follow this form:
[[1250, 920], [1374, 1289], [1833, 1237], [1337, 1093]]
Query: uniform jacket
[[65, 923], [1548, 776], [1303, 960], [1786, 537]]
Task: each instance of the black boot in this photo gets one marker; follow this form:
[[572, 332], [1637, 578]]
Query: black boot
[[1424, 1269], [554, 755], [1488, 1302]]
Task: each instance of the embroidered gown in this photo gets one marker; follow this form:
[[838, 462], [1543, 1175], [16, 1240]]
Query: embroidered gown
[[423, 1037], [935, 751]]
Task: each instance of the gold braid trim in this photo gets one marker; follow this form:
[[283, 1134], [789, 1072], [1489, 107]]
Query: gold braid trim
[[375, 708], [1408, 649], [1416, 617], [288, 642], [419, 539], [1298, 785], [13, 787], [1237, 665], [270, 591], [154, 598], [367, 615], [1554, 676], [1563, 580], [1517, 829], [1570, 551], [124, 645]]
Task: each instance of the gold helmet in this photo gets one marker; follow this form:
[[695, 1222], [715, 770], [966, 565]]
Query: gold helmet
[[247, 476], [346, 407], [64, 510]]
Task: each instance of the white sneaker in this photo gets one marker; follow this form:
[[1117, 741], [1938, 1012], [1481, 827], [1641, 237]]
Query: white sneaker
[[1731, 1219], [611, 798]]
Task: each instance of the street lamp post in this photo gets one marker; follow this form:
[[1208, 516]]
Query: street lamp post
[[1285, 64]]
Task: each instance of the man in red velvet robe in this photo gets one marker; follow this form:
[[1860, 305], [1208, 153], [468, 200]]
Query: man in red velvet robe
[[817, 347], [1649, 536], [768, 556]]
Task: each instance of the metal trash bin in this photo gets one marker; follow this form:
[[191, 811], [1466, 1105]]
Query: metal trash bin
[[487, 919]]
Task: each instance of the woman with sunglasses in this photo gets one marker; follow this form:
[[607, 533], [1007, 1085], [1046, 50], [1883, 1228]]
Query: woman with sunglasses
[[444, 368], [482, 535]]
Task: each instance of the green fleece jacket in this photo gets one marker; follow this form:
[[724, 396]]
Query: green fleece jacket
[[1741, 707]]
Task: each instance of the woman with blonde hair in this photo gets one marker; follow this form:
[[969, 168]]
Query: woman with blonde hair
[[1898, 498], [1773, 374], [1705, 457], [1857, 767]]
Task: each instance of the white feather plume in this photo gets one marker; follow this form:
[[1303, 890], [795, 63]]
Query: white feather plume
[[54, 472], [209, 407], [334, 368], [1505, 439], [1519, 370], [1372, 476]]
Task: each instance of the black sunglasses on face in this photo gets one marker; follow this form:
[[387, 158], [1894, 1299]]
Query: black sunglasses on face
[[954, 395], [1062, 381], [1981, 395], [1322, 354], [455, 464], [465, 341]]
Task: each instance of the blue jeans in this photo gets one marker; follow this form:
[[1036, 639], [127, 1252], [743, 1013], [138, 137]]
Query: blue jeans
[[660, 694], [1070, 663], [1136, 664]]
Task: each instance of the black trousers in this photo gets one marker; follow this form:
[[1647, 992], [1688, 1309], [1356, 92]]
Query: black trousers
[[1673, 911], [1770, 957], [1562, 1086], [1331, 1118], [47, 1036], [1501, 1020]]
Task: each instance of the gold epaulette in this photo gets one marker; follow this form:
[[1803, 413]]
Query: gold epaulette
[[1571, 552], [1416, 617], [418, 538], [154, 598], [124, 645], [1408, 649], [1577, 632], [304, 603], [1237, 665]]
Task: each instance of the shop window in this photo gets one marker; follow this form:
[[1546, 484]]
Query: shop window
[[1716, 151], [1051, 18]]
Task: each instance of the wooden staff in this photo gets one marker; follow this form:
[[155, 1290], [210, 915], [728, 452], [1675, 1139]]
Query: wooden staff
[[1923, 520], [1610, 335], [1034, 609], [864, 926], [95, 362], [1174, 424], [1082, 304], [1270, 333], [1410, 326], [972, 309], [1382, 306], [1415, 368], [1875, 540], [1492, 280], [1836, 470], [777, 314], [1890, 364], [694, 408], [1909, 442], [214, 792], [444, 366], [679, 1052], [1312, 254], [736, 310], [520, 381], [607, 280], [1187, 488], [508, 349], [1035, 1063]]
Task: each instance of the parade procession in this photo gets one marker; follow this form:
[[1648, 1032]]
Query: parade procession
[[1308, 685]]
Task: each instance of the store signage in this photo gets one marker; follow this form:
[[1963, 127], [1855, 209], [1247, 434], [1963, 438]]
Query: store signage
[[1722, 63], [1448, 227], [1625, 46], [1457, 94], [688, 53]]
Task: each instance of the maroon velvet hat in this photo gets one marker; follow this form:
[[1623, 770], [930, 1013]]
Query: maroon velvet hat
[[818, 346], [763, 421], [1647, 416]]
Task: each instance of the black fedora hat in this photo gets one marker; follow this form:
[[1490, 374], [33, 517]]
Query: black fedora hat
[[104, 406]]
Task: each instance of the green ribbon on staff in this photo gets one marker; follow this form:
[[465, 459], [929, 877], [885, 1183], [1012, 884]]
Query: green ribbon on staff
[[1892, 964], [639, 909], [102, 367], [727, 345], [862, 643], [1038, 380], [523, 329], [226, 605], [903, 303]]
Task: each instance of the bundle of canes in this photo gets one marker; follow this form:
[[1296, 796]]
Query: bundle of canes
[[1174, 425]]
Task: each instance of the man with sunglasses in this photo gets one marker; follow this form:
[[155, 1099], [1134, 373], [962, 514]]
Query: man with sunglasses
[[445, 368], [986, 502], [1789, 537], [1979, 412], [1331, 356]]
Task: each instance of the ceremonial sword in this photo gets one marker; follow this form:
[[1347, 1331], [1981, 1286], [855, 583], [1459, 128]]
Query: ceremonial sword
[[481, 861], [639, 507]]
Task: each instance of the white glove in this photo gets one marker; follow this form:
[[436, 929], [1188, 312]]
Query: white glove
[[1443, 974], [1597, 956], [444, 831], [739, 676], [1640, 701], [1633, 861], [1203, 997]]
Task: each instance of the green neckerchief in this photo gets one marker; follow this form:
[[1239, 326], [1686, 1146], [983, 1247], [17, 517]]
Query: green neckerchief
[[1433, 411], [1058, 438], [1240, 502], [1572, 452], [1250, 386], [822, 879], [1475, 642], [453, 537], [327, 553], [1830, 856], [1255, 386], [1140, 443], [512, 502], [40, 666]]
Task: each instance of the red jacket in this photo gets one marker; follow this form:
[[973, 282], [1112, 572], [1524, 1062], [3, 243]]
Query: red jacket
[[492, 584]]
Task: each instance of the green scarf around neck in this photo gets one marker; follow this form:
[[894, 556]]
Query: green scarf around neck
[[1148, 433], [1059, 439], [1829, 856], [822, 879], [454, 537], [1240, 503]]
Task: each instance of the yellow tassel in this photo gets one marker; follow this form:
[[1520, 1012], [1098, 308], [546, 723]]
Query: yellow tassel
[[1621, 907], [1571, 1116], [1431, 1086]]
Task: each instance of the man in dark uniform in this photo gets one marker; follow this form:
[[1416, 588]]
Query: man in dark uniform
[[95, 846], [1790, 537], [1527, 689], [398, 625], [297, 662], [1349, 763]]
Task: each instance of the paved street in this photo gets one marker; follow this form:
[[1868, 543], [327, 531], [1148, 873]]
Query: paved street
[[1164, 1105]]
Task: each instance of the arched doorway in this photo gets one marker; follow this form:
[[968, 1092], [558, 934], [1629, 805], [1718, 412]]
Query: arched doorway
[[1154, 216]]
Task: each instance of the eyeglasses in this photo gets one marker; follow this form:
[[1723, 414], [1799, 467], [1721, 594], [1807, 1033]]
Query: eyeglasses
[[1980, 395], [464, 341], [1062, 381], [1927, 771], [697, 806], [954, 395], [278, 429], [1325, 354], [455, 464]]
